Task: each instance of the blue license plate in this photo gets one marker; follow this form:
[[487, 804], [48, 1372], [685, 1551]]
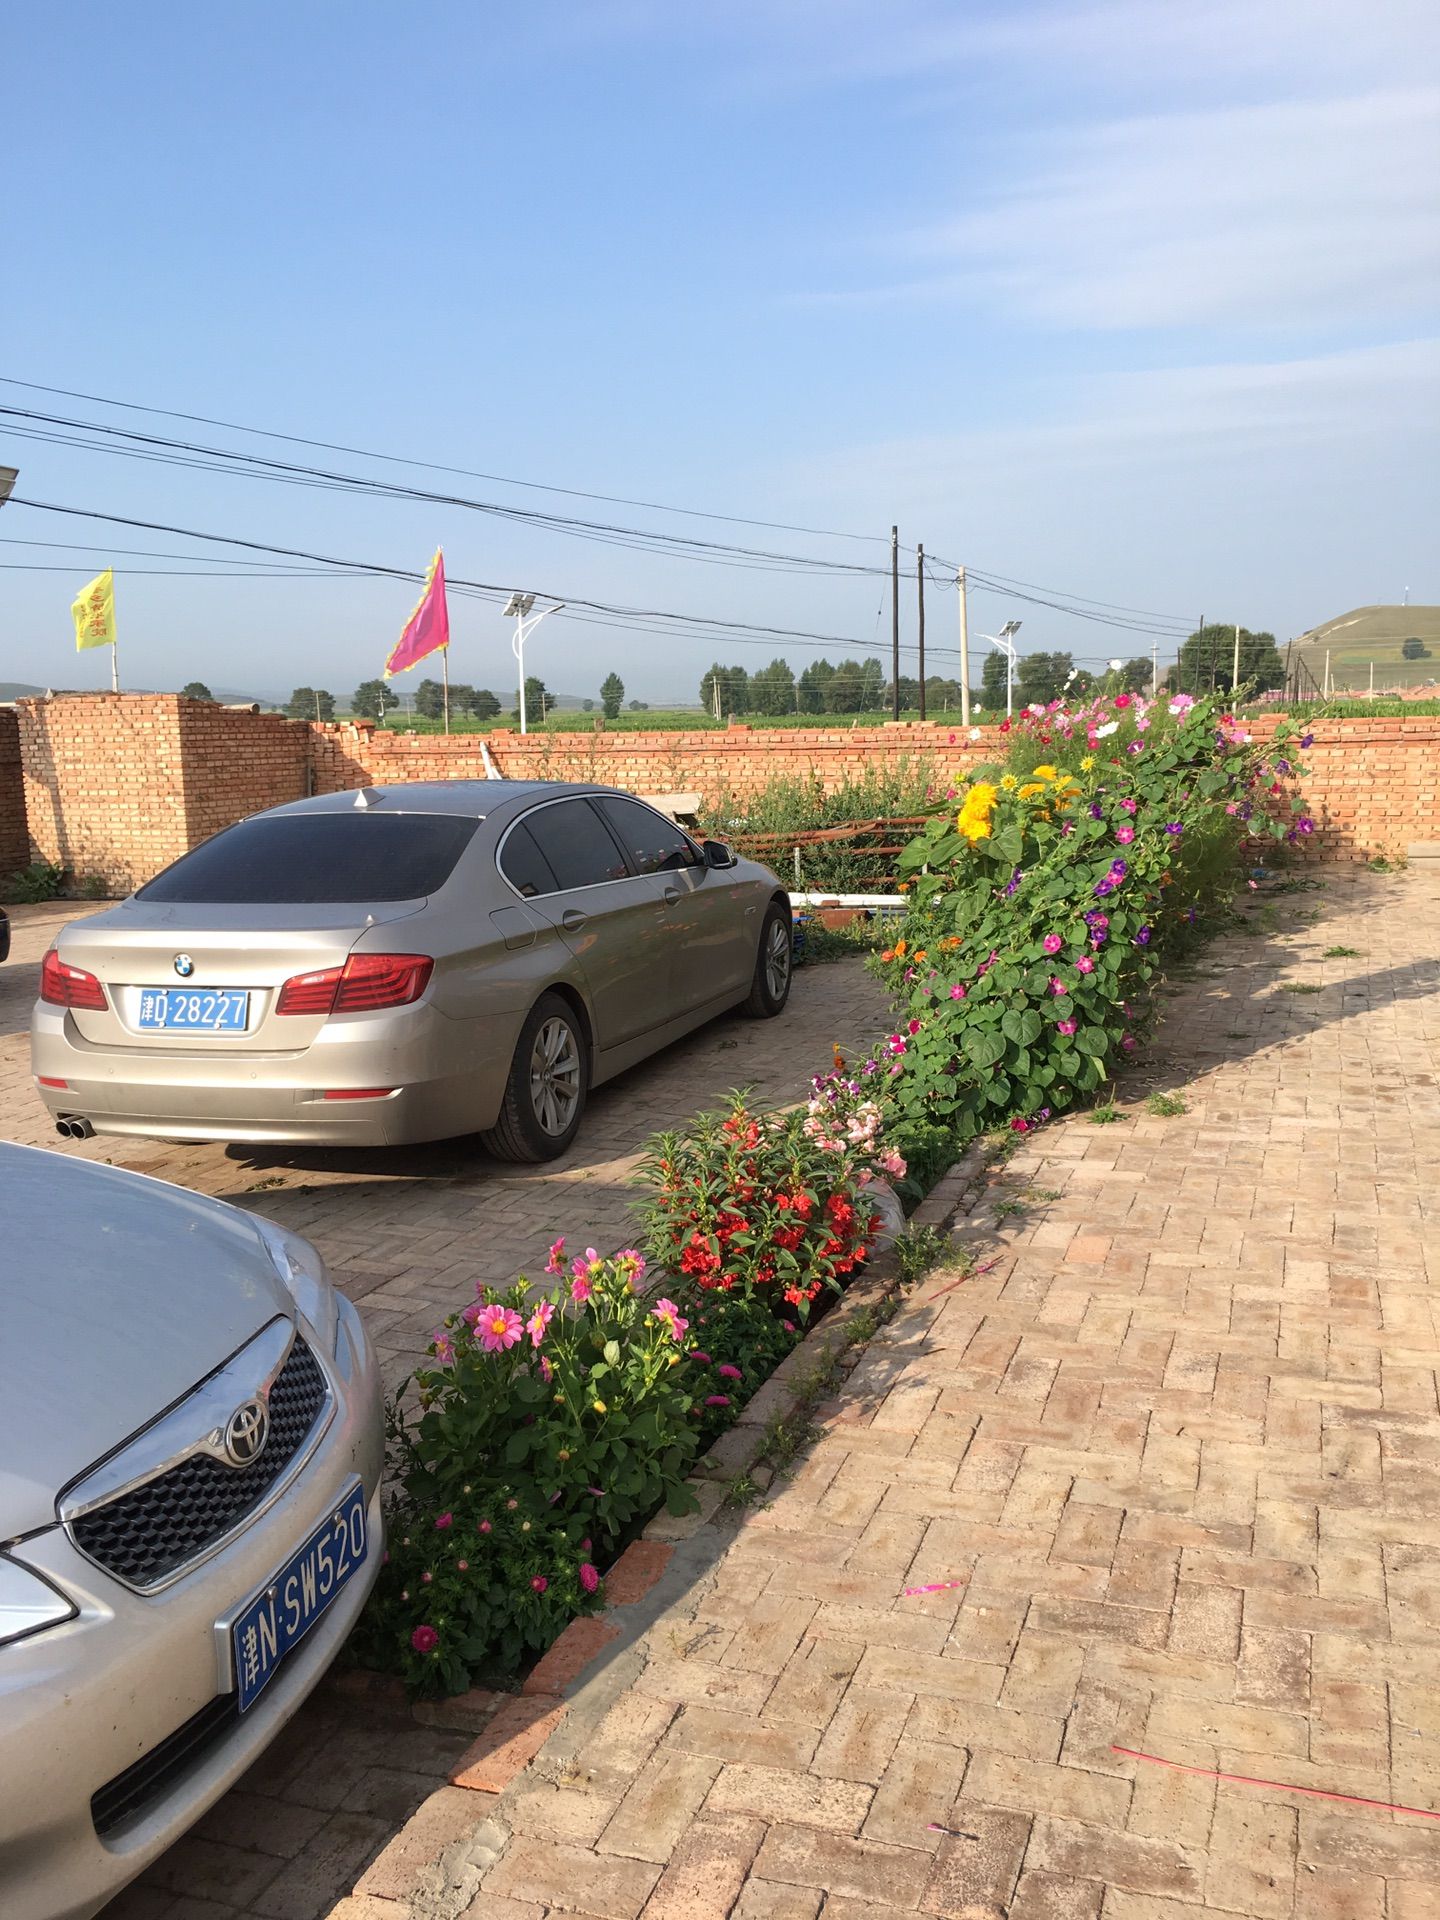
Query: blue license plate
[[194, 1009], [297, 1596]]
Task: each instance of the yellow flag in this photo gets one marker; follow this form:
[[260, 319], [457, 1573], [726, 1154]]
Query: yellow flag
[[94, 611]]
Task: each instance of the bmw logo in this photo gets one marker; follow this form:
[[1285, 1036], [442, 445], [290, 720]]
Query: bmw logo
[[184, 965]]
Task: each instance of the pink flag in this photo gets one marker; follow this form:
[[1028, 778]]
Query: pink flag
[[428, 626]]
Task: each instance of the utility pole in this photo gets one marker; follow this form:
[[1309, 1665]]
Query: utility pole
[[895, 623], [920, 585], [964, 650], [1154, 669], [1327, 673], [1372, 679], [1235, 668]]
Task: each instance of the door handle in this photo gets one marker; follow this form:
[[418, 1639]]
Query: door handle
[[672, 896], [572, 920]]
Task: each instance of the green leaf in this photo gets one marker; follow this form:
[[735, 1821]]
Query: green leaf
[[1023, 1028], [984, 1049], [1094, 1041]]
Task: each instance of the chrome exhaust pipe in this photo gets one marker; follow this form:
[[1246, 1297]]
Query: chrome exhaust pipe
[[74, 1126]]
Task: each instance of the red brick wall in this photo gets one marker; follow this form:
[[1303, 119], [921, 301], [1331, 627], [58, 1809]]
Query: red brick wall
[[14, 836], [117, 785], [1373, 785]]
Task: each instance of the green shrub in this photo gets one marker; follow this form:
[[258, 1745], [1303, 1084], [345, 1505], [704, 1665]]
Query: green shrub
[[765, 1205], [39, 881], [1043, 905]]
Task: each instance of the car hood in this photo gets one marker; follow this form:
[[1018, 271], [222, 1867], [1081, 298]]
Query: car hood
[[117, 1295]]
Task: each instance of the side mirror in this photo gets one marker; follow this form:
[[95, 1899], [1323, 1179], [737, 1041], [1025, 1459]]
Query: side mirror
[[718, 855]]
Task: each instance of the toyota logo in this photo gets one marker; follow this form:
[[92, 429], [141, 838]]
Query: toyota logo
[[184, 965], [246, 1432]]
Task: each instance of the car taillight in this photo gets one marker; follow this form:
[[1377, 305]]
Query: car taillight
[[365, 982], [62, 985]]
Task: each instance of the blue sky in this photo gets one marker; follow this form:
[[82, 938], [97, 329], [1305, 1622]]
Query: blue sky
[[1132, 300]]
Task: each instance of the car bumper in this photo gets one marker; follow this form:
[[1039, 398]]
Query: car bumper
[[83, 1702], [445, 1078]]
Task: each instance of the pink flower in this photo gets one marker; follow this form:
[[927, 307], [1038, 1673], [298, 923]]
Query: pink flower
[[1128, 806], [1053, 943], [729, 1373], [444, 1520], [424, 1639], [539, 1583], [668, 1314], [1019, 1126], [1057, 986], [557, 1256], [426, 1578], [547, 1372], [462, 1566], [1125, 835], [589, 1577], [580, 1288], [1066, 1026], [443, 1350], [717, 1400], [500, 1327], [485, 1526], [700, 1359], [913, 1027], [1084, 964], [957, 992], [539, 1320], [631, 1263]]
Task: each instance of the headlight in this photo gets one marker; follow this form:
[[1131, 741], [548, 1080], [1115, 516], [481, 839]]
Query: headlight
[[28, 1603], [303, 1271]]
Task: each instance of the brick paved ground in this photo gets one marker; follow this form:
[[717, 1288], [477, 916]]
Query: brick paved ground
[[1181, 1445]]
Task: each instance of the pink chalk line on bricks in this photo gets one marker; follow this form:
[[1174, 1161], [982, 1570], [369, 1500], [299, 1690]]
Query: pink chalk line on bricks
[[938, 1586], [974, 1275], [1247, 1780]]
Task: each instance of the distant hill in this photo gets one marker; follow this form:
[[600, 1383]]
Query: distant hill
[[1365, 634], [18, 690]]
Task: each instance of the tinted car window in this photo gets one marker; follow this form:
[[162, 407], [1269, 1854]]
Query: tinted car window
[[652, 842], [300, 859], [575, 842], [523, 864]]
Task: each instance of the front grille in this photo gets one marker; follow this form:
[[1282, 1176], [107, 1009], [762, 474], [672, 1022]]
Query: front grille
[[131, 1793], [143, 1535]]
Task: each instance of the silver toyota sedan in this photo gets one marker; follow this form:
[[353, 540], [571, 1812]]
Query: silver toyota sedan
[[190, 1457], [404, 963]]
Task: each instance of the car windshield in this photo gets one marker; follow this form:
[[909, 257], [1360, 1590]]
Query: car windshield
[[303, 858]]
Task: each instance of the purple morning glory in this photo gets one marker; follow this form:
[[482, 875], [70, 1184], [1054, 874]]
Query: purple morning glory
[[1142, 937], [1102, 887], [1306, 740], [1097, 812], [1118, 869], [1174, 827], [1305, 823]]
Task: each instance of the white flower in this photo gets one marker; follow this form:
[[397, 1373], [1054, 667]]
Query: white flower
[[1104, 733], [1115, 665], [974, 733]]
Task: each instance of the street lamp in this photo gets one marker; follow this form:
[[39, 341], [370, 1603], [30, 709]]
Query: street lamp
[[517, 608], [1005, 640]]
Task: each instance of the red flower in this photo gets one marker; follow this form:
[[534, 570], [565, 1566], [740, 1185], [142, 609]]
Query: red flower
[[424, 1639]]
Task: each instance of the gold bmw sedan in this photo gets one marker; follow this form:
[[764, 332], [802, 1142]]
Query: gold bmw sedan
[[404, 963]]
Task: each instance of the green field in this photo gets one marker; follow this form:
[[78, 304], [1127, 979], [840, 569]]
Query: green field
[[1374, 634]]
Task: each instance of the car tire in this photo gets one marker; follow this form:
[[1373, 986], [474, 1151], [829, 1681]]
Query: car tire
[[545, 1093], [774, 965]]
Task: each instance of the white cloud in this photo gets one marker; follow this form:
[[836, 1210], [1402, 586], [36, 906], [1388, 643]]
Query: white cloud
[[1313, 213]]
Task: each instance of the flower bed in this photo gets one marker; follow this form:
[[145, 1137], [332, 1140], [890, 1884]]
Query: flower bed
[[1042, 906], [552, 1425]]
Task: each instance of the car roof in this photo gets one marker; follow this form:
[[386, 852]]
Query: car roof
[[472, 799]]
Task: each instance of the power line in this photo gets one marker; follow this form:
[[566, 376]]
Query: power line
[[605, 612], [434, 466]]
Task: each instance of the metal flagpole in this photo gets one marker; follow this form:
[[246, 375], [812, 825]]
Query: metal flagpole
[[964, 651], [445, 680]]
